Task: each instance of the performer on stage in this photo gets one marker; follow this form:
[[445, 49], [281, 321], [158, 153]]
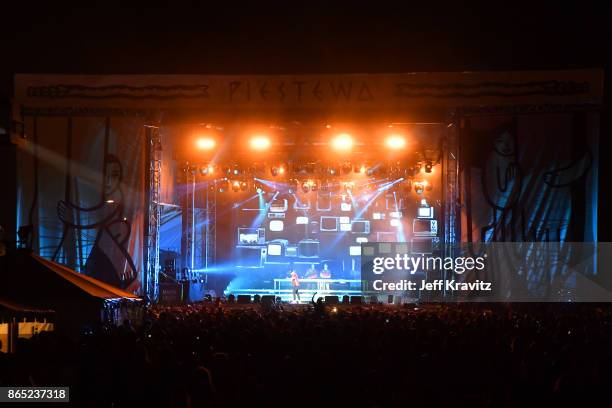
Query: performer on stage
[[325, 274], [295, 283], [311, 273]]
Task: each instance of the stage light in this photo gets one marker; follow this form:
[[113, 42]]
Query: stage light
[[223, 186], [362, 169], [312, 185], [110, 201], [205, 143], [236, 186], [342, 142], [428, 167], [260, 143], [243, 185], [395, 142], [281, 170], [348, 186], [206, 170]]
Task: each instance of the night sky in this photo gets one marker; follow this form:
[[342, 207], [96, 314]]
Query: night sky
[[306, 37]]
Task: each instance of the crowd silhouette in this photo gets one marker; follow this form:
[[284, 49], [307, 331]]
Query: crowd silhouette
[[214, 354]]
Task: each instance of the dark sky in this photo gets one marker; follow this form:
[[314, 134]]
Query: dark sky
[[303, 37], [300, 37]]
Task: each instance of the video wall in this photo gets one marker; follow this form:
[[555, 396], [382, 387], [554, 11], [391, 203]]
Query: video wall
[[323, 230]]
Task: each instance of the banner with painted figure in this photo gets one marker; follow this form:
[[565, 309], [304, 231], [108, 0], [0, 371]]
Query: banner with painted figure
[[81, 189], [531, 179]]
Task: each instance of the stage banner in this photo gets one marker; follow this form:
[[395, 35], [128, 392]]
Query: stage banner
[[86, 93], [81, 191], [530, 179]]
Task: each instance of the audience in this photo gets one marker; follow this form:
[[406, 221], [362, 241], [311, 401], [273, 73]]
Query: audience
[[215, 354]]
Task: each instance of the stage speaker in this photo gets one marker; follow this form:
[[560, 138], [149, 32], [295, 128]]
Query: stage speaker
[[243, 299], [345, 299], [331, 300], [356, 300], [267, 299]]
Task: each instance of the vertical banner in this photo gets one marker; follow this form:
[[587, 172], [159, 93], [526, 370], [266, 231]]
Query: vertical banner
[[81, 188]]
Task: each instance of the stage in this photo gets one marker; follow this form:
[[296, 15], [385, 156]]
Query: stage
[[230, 185]]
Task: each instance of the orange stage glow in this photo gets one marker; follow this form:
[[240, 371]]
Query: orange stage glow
[[343, 142], [260, 143], [281, 170], [395, 142], [205, 143]]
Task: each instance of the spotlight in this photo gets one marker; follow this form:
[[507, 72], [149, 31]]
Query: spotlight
[[205, 143], [223, 186], [331, 171], [243, 185], [362, 169], [342, 142], [281, 170], [205, 170], [395, 142], [236, 171], [260, 143], [236, 186], [419, 187], [313, 185], [428, 167]]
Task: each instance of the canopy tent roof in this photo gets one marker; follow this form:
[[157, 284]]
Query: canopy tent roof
[[10, 309], [30, 279], [86, 283]]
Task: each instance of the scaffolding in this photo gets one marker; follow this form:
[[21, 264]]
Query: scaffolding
[[450, 182], [153, 216], [210, 229]]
